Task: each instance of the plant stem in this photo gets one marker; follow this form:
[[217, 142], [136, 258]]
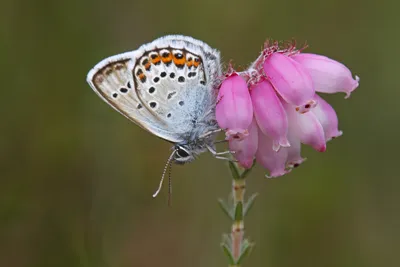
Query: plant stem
[[238, 190], [235, 246]]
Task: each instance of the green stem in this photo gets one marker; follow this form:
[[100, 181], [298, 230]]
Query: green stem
[[237, 229], [235, 246]]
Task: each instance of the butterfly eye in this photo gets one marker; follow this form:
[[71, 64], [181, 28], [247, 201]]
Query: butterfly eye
[[182, 153]]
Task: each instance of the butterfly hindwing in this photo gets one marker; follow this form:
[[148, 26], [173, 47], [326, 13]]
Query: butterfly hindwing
[[112, 80]]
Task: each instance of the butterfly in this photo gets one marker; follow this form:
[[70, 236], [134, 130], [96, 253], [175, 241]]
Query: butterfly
[[168, 87]]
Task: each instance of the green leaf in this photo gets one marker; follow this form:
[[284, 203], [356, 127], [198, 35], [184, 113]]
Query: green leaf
[[247, 171], [234, 170], [239, 211], [245, 251], [227, 249], [226, 239], [224, 206], [249, 204]]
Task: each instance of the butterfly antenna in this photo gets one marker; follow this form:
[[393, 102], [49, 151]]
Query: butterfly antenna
[[169, 184], [163, 175]]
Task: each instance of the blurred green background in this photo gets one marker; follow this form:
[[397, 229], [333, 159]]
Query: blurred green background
[[77, 177]]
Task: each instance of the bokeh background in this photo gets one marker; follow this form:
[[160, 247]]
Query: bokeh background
[[77, 177]]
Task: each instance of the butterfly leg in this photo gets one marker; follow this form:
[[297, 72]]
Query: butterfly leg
[[221, 141], [224, 153], [228, 159], [217, 155], [210, 133]]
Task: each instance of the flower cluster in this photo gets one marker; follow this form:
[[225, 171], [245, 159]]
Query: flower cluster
[[270, 109]]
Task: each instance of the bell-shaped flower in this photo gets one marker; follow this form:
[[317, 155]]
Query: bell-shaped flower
[[234, 110], [294, 158], [327, 117], [270, 114], [274, 161], [246, 148], [306, 127], [328, 75], [290, 79]]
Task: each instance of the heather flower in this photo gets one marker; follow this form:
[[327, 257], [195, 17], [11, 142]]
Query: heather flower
[[234, 111], [246, 148], [327, 117], [287, 111], [329, 76], [290, 79], [270, 114], [294, 158], [306, 127], [274, 161]]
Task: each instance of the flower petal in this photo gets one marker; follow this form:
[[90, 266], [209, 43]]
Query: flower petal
[[246, 148], [306, 127], [328, 75], [272, 160], [294, 158], [270, 114], [327, 117], [234, 111], [289, 78]]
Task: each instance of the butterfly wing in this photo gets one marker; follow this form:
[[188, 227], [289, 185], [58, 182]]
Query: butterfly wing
[[112, 80], [164, 86]]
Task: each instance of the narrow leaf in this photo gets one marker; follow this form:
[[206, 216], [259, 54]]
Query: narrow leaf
[[228, 253], [245, 251], [227, 210], [239, 211], [226, 239], [249, 204], [247, 171], [234, 170]]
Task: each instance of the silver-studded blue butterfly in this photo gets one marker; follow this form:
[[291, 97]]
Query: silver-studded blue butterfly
[[169, 88]]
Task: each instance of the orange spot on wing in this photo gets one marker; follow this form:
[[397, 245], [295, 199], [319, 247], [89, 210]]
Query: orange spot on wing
[[196, 62], [147, 66], [155, 59], [167, 58], [179, 60], [189, 63], [142, 76]]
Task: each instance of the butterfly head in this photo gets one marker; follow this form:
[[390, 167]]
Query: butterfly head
[[182, 154], [187, 151]]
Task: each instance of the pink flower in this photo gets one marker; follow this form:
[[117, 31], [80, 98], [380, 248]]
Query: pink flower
[[274, 161], [290, 79], [329, 76], [287, 111], [294, 158], [246, 148], [306, 127], [270, 114], [327, 117], [234, 111]]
